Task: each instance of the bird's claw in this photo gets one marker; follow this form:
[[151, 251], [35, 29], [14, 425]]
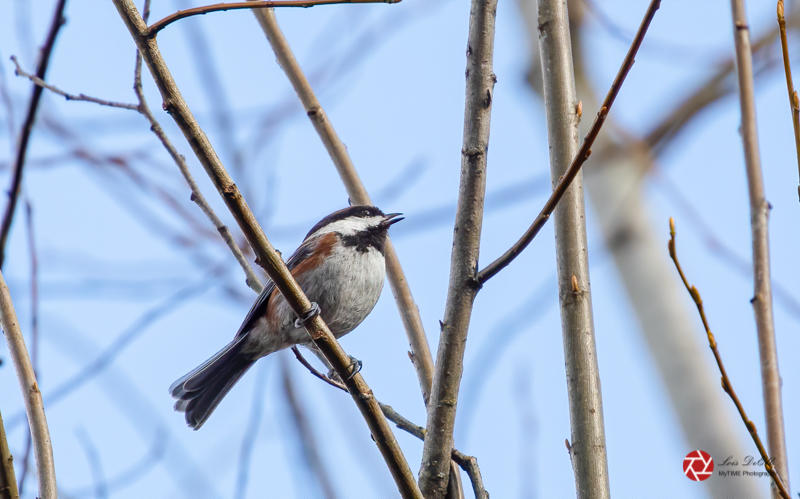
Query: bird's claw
[[314, 311], [355, 368]]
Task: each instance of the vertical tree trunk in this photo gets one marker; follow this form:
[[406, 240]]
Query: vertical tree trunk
[[588, 446]]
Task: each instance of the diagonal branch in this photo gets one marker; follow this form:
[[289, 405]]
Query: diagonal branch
[[34, 408], [726, 381], [463, 287], [266, 254], [217, 7], [580, 158], [27, 127], [759, 214]]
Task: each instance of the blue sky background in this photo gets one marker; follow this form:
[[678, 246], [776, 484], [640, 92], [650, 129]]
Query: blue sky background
[[392, 81]]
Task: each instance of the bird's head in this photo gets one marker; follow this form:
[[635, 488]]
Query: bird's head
[[360, 226]]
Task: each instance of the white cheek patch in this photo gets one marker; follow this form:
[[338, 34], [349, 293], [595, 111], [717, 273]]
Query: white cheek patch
[[349, 226]]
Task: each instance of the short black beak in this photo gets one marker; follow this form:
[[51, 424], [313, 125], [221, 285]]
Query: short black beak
[[391, 218]]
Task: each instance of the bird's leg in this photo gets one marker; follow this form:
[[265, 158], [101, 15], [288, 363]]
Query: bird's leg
[[355, 366], [301, 322]]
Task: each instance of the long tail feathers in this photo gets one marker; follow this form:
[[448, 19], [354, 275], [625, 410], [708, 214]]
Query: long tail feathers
[[199, 391]]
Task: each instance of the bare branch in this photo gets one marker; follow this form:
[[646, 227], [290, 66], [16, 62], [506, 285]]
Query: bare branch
[[759, 213], [27, 127], [794, 102], [583, 154], [34, 408], [266, 254], [726, 382], [217, 7], [463, 286]]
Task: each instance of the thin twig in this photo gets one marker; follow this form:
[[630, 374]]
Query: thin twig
[[580, 158], [34, 408], [313, 370], [468, 463], [726, 382], [409, 312], [266, 254], [462, 287], [8, 482], [759, 215], [794, 102], [68, 96], [27, 127], [217, 7]]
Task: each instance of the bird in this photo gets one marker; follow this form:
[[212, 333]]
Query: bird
[[341, 268]]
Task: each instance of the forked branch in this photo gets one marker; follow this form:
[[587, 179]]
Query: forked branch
[[580, 158]]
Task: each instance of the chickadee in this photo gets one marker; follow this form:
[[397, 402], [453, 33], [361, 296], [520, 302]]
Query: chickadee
[[340, 267]]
